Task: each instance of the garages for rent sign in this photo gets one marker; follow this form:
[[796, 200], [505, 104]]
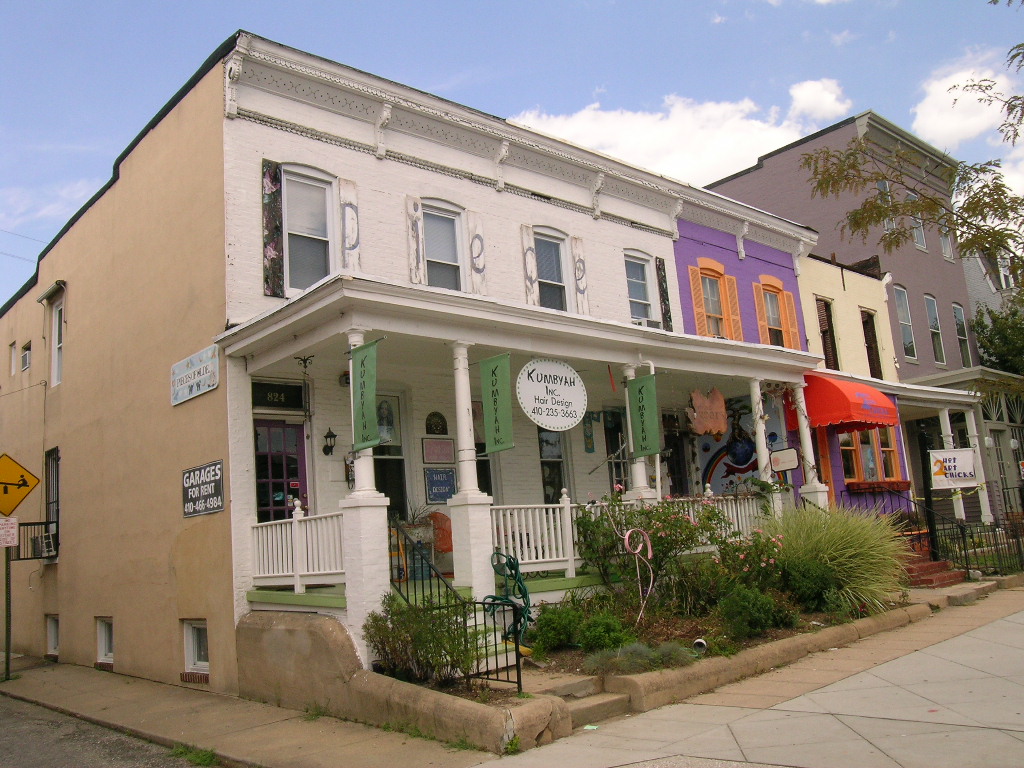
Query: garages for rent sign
[[202, 489]]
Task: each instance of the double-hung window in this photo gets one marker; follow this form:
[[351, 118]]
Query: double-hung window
[[26, 355], [57, 336], [550, 272], [638, 290], [906, 327], [885, 197], [917, 226], [826, 328], [960, 324], [946, 242], [307, 224], [867, 322], [441, 246], [773, 318], [711, 285], [716, 307], [1006, 278], [776, 313], [932, 309], [197, 648]]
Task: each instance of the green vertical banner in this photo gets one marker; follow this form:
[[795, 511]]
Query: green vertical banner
[[643, 415], [365, 433], [496, 386]]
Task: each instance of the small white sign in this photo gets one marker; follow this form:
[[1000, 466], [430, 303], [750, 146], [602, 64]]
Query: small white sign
[[784, 460], [195, 375], [551, 394], [8, 531]]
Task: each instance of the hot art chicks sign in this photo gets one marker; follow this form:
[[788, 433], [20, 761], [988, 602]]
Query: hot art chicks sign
[[953, 468], [552, 394]]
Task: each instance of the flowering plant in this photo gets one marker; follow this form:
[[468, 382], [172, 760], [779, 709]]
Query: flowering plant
[[752, 560]]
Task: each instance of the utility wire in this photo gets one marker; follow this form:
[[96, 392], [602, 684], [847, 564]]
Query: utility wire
[[18, 234], [15, 256]]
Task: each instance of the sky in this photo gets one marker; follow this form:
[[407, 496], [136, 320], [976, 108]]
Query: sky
[[692, 89]]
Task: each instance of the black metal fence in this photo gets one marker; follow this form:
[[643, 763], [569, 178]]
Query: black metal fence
[[37, 541], [491, 627]]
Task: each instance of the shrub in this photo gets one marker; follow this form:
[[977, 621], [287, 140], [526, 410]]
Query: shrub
[[749, 612], [673, 654], [603, 631], [555, 627], [694, 585], [864, 551], [753, 560], [810, 582], [637, 657], [426, 642]]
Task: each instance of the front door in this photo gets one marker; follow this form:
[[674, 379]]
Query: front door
[[280, 469]]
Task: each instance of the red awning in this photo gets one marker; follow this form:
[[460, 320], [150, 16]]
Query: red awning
[[850, 406]]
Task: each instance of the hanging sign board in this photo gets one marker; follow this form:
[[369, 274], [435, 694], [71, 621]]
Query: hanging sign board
[[365, 430], [16, 483], [202, 489], [8, 531], [195, 375], [643, 415], [551, 394], [784, 460], [496, 386], [953, 468]]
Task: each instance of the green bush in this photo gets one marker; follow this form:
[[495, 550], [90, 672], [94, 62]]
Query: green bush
[[603, 631], [863, 551], [694, 585], [428, 642], [637, 657], [555, 627], [810, 582], [749, 612], [752, 560]]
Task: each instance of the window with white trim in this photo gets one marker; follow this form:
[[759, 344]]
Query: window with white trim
[[105, 640], [26, 355], [917, 227], [14, 357], [57, 342], [886, 197], [906, 327], [1006, 278], [716, 308], [441, 247], [946, 242], [550, 271], [306, 201], [638, 290], [934, 329], [197, 648], [960, 324], [52, 635]]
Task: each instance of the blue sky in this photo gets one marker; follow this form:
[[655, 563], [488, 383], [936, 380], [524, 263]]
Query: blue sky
[[694, 89]]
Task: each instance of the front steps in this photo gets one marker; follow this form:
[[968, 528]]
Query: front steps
[[932, 574], [586, 699]]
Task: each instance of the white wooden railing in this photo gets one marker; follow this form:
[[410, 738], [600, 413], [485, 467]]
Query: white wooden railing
[[543, 537], [298, 552]]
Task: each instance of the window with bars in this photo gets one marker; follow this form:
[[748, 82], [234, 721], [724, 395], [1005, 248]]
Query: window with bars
[[51, 461], [867, 322], [828, 333]]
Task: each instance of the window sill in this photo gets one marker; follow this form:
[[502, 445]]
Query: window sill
[[871, 486]]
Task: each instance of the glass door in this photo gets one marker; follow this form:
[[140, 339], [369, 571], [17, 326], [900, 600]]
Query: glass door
[[280, 469]]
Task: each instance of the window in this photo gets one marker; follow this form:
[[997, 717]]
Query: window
[[14, 357], [886, 198], [637, 283], [960, 324], [26, 355], [828, 333], [932, 308], [105, 641], [197, 649], [869, 455], [867, 321], [51, 461], [552, 464], [1006, 278], [441, 246], [306, 224], [52, 636], [946, 242], [550, 278], [716, 307], [917, 225], [906, 328], [57, 336], [776, 313]]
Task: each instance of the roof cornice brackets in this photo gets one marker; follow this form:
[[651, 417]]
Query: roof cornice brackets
[[595, 195], [232, 73], [802, 249], [499, 162], [740, 235], [383, 118]]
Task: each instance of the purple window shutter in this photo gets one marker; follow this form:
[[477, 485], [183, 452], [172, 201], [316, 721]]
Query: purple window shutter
[[666, 309], [273, 241]]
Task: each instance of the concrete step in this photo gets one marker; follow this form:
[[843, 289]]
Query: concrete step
[[600, 706]]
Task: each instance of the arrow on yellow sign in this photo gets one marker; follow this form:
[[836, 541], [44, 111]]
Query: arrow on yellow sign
[[16, 483]]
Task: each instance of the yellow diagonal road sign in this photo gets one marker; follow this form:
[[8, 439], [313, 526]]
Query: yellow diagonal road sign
[[16, 483]]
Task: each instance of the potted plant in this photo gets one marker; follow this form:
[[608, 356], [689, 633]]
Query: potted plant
[[419, 526]]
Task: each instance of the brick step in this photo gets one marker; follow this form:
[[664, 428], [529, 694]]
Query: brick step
[[599, 706], [945, 579], [926, 567]]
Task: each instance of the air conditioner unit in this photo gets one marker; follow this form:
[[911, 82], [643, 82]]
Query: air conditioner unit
[[647, 322], [44, 546]]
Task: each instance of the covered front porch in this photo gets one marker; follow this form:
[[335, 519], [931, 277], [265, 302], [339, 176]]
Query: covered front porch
[[310, 516]]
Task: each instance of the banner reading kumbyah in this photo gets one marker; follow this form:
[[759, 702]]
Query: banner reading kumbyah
[[643, 415], [496, 386], [365, 433], [953, 468]]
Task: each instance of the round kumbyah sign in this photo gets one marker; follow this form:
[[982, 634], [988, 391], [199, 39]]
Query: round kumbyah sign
[[552, 394]]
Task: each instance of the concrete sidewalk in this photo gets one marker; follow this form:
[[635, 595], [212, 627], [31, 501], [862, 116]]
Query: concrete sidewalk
[[947, 690]]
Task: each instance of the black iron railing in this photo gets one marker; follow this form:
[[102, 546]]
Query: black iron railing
[[37, 541], [490, 627]]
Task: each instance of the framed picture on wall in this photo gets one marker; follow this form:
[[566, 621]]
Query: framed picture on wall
[[438, 450]]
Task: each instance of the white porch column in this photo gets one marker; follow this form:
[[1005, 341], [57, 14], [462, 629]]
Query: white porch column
[[947, 442], [364, 543], [979, 465], [470, 510], [813, 489], [764, 469], [639, 484]]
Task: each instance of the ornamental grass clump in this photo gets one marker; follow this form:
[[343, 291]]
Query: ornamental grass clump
[[864, 552]]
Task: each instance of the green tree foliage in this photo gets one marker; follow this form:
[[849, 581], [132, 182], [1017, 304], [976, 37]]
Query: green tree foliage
[[1000, 336], [986, 215]]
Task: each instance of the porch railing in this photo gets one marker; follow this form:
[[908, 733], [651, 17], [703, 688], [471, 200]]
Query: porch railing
[[543, 537], [299, 552]]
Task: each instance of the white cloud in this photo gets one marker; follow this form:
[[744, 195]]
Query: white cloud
[[696, 142], [718, 19], [43, 207], [946, 118], [840, 39]]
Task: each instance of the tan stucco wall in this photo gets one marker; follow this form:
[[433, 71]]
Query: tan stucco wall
[[849, 292], [144, 267]]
